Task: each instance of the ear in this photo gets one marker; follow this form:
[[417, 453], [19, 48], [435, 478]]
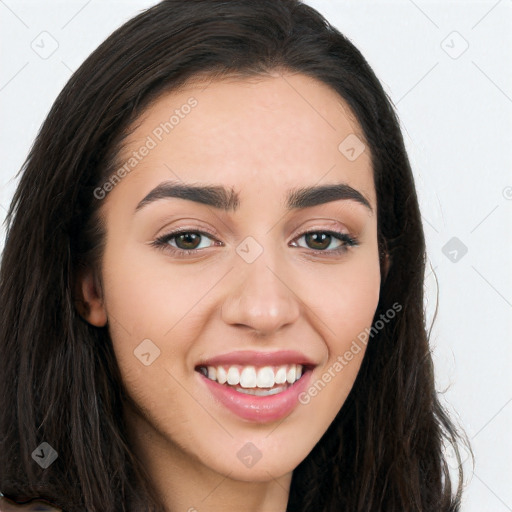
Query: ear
[[89, 299]]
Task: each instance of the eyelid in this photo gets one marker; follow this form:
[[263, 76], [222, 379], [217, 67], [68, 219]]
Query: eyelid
[[170, 232], [335, 228]]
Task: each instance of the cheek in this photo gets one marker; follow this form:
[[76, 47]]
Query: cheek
[[345, 306], [150, 342], [345, 297], [351, 306], [144, 295], [156, 311]]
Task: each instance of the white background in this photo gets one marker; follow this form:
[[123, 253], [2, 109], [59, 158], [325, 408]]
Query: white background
[[455, 108]]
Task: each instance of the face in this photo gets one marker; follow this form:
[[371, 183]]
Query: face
[[255, 280]]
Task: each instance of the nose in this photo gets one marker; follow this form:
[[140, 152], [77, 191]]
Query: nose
[[262, 300]]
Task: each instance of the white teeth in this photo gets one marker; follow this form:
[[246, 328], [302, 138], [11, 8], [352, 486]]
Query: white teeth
[[221, 375], [251, 377], [248, 377], [262, 392], [233, 376], [281, 375], [212, 373], [290, 376], [265, 377]]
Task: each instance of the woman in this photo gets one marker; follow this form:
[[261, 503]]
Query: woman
[[212, 284]]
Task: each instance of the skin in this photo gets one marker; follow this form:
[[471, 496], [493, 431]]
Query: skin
[[260, 136]]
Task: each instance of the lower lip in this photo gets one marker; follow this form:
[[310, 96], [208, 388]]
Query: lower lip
[[259, 409]]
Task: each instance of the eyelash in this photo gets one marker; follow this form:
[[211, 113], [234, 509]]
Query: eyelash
[[162, 242]]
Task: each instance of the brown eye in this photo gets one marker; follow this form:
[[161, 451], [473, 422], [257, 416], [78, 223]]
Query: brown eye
[[320, 241], [187, 241]]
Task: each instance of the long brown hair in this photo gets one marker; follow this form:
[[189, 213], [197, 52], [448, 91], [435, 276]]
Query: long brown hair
[[59, 378]]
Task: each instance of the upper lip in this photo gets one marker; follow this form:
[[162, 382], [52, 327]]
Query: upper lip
[[258, 358]]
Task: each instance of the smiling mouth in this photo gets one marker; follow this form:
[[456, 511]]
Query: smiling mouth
[[253, 380]]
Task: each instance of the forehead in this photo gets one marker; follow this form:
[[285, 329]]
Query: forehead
[[275, 132]]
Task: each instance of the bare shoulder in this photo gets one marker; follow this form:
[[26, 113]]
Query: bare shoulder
[[39, 506]]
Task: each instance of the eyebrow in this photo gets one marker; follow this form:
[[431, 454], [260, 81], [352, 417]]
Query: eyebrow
[[228, 200]]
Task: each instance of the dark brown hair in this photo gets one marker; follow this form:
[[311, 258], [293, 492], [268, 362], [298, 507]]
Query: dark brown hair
[[59, 379]]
